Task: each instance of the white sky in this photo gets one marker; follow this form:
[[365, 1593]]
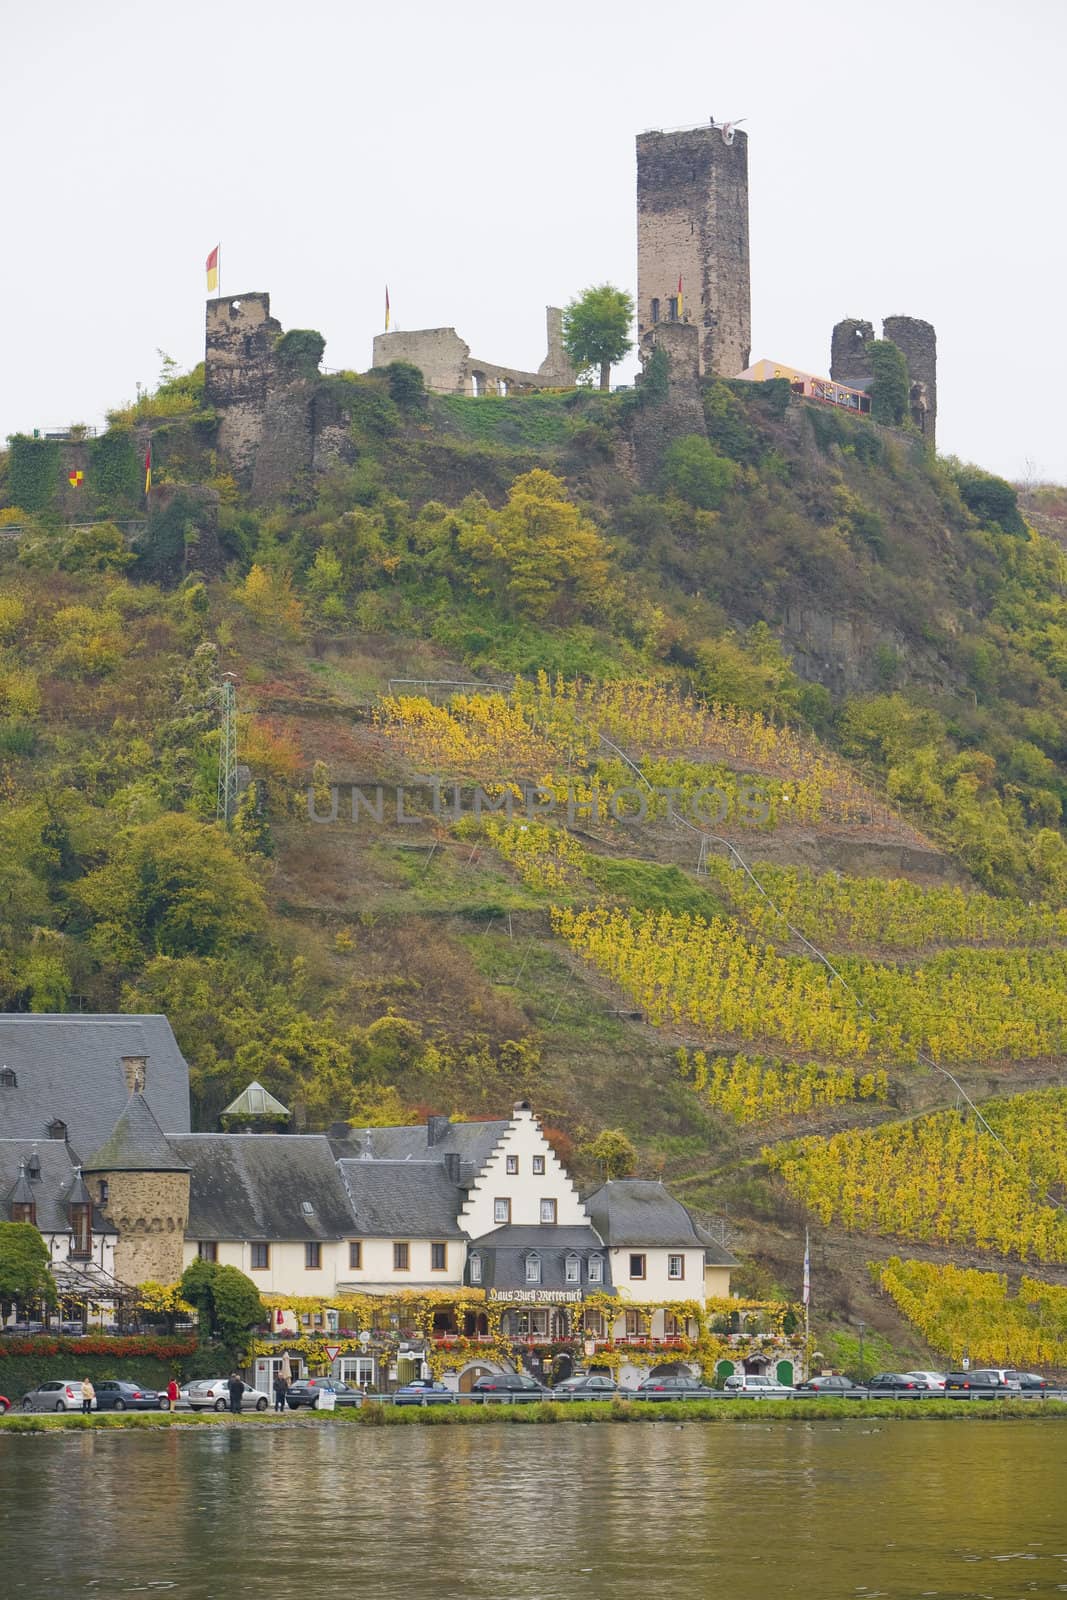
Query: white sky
[[905, 156]]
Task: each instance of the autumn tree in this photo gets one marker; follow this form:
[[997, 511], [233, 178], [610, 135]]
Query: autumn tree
[[613, 1153], [596, 330]]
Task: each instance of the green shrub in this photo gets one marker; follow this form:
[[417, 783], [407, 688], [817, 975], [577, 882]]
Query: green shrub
[[299, 352], [990, 499], [890, 384], [33, 472], [694, 470]]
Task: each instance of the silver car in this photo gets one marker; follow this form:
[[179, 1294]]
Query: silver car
[[213, 1394], [59, 1394]]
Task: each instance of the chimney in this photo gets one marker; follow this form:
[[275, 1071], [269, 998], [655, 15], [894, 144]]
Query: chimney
[[135, 1070], [452, 1166], [436, 1128]]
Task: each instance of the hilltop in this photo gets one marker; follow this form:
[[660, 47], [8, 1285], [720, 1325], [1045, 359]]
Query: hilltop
[[857, 646]]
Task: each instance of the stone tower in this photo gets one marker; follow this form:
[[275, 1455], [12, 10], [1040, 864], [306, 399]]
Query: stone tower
[[692, 225], [143, 1189], [850, 363]]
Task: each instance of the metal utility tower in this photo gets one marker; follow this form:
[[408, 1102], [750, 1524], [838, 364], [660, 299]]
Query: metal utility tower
[[227, 801]]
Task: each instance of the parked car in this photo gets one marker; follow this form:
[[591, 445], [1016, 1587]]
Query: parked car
[[59, 1394], [900, 1384], [515, 1386], [588, 1386], [113, 1395], [757, 1384], [830, 1383], [674, 1386], [932, 1380], [1031, 1382], [424, 1392], [982, 1382], [213, 1394], [306, 1391]]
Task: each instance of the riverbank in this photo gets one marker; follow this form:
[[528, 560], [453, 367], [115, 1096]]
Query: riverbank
[[724, 1411]]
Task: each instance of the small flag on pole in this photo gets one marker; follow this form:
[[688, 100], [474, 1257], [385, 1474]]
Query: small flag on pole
[[807, 1268], [213, 269], [679, 299], [387, 308], [148, 469], [75, 477]]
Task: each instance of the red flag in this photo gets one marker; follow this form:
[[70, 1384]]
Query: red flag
[[212, 269]]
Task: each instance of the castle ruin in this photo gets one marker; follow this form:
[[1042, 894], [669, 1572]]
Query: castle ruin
[[448, 367], [850, 363]]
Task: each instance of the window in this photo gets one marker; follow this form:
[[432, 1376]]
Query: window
[[533, 1269], [438, 1257], [596, 1269], [208, 1250], [355, 1255], [529, 1324], [8, 1080], [501, 1210], [401, 1257], [102, 1191], [24, 1211], [655, 310], [573, 1270], [633, 1324], [57, 1129], [312, 1256], [672, 308], [676, 1266], [358, 1371], [594, 1324], [673, 1327], [548, 1211], [512, 1164], [539, 1166], [81, 1228], [260, 1257], [476, 1268], [637, 1266]]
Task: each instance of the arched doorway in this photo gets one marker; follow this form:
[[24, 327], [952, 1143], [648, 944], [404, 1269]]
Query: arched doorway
[[470, 1375], [724, 1369], [784, 1372]]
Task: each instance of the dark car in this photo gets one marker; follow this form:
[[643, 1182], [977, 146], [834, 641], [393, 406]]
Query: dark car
[[899, 1384], [306, 1392], [1030, 1382], [424, 1392], [515, 1386], [982, 1384], [675, 1387], [831, 1383], [588, 1386], [112, 1395]]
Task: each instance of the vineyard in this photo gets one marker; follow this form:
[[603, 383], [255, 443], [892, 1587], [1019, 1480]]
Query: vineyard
[[843, 912], [964, 1005], [967, 1313], [755, 1089], [943, 1178]]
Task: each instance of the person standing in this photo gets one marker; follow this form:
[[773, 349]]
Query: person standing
[[281, 1389], [88, 1396], [173, 1393], [237, 1388]]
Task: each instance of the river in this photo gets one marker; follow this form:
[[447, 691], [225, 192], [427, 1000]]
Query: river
[[595, 1511]]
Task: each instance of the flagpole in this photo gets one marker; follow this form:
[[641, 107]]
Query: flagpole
[[807, 1300]]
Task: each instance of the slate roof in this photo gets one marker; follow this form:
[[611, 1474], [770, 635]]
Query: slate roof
[[255, 1101], [70, 1067], [639, 1211], [254, 1185], [471, 1141], [51, 1192], [403, 1199], [136, 1144], [504, 1253]]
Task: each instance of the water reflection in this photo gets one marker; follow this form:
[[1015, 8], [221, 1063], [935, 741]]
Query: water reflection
[[598, 1511]]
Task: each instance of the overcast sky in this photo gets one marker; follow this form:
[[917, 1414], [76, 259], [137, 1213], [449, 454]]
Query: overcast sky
[[905, 156]]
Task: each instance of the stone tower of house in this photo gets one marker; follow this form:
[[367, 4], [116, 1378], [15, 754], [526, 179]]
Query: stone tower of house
[[692, 228], [142, 1187]]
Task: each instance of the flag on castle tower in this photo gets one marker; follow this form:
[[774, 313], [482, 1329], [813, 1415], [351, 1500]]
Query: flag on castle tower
[[212, 268], [148, 468], [387, 308], [679, 299]]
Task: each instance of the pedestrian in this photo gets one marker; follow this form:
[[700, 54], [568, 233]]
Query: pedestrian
[[173, 1393], [281, 1389], [88, 1396], [237, 1389]]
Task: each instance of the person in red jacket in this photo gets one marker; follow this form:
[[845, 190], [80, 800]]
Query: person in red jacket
[[173, 1392]]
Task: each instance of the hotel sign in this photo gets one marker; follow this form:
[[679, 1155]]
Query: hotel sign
[[537, 1297]]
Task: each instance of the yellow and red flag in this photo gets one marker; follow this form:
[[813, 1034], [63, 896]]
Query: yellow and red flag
[[75, 477], [148, 469], [387, 308], [679, 299], [212, 267]]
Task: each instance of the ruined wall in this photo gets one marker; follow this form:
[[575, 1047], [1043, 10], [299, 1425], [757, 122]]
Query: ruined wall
[[679, 412], [692, 223], [238, 371], [849, 361], [918, 341], [150, 1211], [448, 367]]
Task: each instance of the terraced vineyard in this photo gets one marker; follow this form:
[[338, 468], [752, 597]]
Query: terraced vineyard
[[962, 1312]]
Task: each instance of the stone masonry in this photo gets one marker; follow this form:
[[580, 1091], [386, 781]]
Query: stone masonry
[[150, 1211], [692, 224], [850, 363], [448, 367]]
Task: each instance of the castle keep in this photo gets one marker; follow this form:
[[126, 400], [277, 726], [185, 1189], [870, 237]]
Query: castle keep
[[692, 229]]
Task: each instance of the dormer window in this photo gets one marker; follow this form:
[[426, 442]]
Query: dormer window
[[24, 1211], [8, 1079], [476, 1267], [533, 1269], [596, 1269], [33, 1168], [57, 1129], [573, 1269]]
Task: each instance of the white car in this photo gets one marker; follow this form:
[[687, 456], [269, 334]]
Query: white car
[[932, 1380], [213, 1394], [755, 1383]]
